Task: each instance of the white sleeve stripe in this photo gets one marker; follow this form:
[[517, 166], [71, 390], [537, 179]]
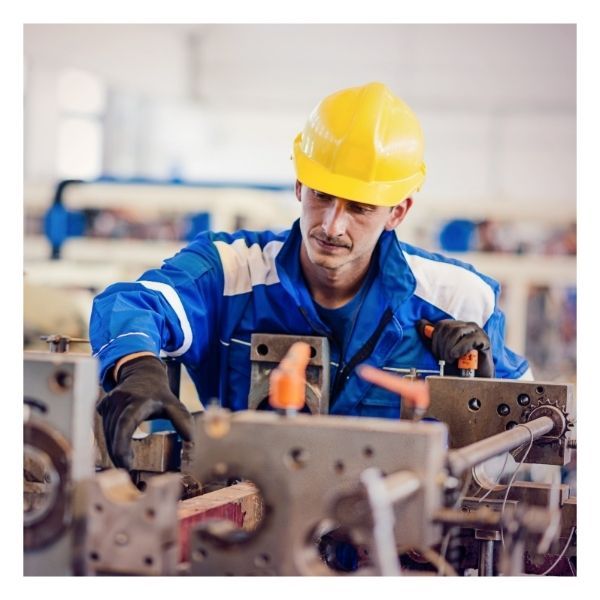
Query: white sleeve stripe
[[120, 336], [170, 295], [247, 266], [457, 291]]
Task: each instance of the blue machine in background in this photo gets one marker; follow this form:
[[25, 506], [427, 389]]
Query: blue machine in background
[[60, 223]]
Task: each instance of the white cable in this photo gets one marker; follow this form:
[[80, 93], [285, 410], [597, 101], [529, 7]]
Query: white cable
[[512, 479], [561, 555], [497, 480], [446, 540]]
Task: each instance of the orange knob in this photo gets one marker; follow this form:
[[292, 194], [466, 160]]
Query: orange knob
[[287, 382], [428, 331], [470, 360]]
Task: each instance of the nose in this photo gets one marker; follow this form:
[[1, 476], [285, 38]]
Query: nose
[[335, 218]]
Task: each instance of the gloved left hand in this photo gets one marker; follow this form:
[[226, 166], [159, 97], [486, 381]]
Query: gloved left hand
[[142, 392], [452, 339]]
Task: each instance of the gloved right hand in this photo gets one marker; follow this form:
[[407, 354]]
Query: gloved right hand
[[452, 339], [142, 392]]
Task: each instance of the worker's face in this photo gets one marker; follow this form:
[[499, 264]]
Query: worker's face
[[340, 233]]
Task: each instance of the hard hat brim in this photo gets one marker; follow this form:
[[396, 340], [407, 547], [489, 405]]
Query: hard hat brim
[[378, 193]]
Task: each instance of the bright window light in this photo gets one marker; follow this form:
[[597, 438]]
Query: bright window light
[[80, 92], [79, 153]]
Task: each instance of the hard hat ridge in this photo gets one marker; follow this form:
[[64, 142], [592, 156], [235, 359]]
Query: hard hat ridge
[[361, 144]]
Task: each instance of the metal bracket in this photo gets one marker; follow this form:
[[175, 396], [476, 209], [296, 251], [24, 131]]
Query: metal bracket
[[132, 533], [477, 408], [266, 352]]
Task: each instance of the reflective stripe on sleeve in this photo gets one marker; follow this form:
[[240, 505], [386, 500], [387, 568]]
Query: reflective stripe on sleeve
[[170, 295], [120, 336], [457, 291]]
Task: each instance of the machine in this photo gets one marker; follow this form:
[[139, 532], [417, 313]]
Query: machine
[[292, 491]]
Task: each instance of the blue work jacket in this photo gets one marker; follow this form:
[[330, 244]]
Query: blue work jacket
[[204, 303]]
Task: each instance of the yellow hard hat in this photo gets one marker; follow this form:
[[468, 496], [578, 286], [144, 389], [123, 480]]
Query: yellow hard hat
[[362, 144]]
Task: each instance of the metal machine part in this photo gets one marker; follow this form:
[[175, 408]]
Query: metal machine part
[[46, 485], [462, 459], [61, 343], [154, 453], [383, 493], [267, 351], [308, 469], [476, 408], [130, 533], [487, 417], [60, 391]]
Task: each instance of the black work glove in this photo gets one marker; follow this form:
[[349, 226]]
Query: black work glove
[[142, 392], [452, 339]]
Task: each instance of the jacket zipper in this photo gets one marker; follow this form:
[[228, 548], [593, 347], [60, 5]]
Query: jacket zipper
[[343, 373]]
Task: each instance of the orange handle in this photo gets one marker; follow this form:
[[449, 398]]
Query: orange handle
[[414, 393], [428, 331], [287, 381], [468, 361]]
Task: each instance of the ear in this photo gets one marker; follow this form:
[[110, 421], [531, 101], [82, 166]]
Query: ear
[[398, 213], [298, 189]]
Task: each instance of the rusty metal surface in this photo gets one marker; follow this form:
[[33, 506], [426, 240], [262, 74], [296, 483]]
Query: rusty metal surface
[[131, 533], [478, 408], [306, 468], [267, 351]]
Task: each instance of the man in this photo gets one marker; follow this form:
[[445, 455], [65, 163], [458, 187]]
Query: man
[[340, 272]]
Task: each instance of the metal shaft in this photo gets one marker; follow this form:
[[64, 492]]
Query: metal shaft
[[486, 558], [463, 459]]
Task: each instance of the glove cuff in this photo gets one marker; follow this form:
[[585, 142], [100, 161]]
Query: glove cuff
[[147, 363]]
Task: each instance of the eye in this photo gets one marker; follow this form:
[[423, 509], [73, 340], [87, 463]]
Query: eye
[[360, 209]]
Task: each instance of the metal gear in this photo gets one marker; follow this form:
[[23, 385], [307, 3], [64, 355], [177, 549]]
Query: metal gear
[[560, 417]]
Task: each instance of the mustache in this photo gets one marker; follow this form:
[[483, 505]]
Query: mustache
[[332, 241]]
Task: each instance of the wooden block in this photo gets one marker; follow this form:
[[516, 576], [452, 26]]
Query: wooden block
[[240, 503]]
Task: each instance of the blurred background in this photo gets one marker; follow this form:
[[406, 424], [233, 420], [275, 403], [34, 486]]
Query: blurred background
[[137, 137]]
